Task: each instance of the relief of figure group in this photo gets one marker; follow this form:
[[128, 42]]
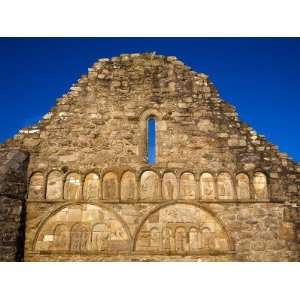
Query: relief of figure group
[[179, 238], [174, 229], [80, 239], [181, 229], [148, 187], [83, 228]]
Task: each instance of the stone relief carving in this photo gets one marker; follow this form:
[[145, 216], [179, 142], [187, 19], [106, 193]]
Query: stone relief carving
[[169, 186], [72, 187], [91, 187], [61, 237], [54, 186], [207, 238], [128, 187], [82, 228], [181, 228], [260, 186], [149, 186], [187, 186], [110, 187], [194, 239], [167, 239], [207, 186], [181, 244], [79, 238], [36, 186], [225, 187], [155, 238], [243, 187], [100, 237]]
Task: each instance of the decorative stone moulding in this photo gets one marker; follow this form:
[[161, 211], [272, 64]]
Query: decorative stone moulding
[[149, 187]]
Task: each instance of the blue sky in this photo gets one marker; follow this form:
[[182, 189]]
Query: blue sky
[[260, 76]]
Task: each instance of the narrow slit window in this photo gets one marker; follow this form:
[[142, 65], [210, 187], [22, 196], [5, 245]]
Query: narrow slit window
[[151, 141]]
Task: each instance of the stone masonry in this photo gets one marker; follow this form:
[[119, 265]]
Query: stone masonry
[[218, 191], [13, 186]]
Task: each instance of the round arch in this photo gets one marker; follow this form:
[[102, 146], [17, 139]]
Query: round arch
[[193, 204], [80, 205]]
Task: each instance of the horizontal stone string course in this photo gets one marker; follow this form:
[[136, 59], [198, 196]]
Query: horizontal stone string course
[[148, 186]]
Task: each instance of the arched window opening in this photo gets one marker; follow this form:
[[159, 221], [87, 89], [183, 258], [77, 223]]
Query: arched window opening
[[151, 141]]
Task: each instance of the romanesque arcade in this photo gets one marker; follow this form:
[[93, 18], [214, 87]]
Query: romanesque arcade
[[148, 186]]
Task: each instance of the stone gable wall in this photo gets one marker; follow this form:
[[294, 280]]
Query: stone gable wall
[[96, 133]]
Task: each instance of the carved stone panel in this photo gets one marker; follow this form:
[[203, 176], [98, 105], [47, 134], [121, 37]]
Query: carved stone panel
[[207, 187], [181, 228], [149, 188], [110, 187], [260, 186], [187, 186], [225, 187], [82, 228], [155, 238], [243, 187], [100, 237], [61, 238], [54, 186], [169, 186], [167, 239], [207, 238], [128, 187], [72, 187], [36, 187], [79, 238], [91, 187], [194, 239], [181, 244]]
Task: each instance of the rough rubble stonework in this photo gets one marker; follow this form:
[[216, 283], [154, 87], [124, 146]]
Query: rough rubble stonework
[[217, 192], [13, 186]]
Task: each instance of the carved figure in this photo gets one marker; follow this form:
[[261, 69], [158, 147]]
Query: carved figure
[[91, 187], [169, 186], [166, 238], [207, 186], [170, 189], [72, 188], [155, 239], [110, 186], [243, 189], [180, 239], [206, 238], [187, 186], [193, 239], [225, 188], [54, 186], [36, 186], [79, 238], [149, 186], [61, 238], [260, 186], [128, 186]]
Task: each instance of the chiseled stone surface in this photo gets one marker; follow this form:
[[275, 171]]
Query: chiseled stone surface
[[217, 192]]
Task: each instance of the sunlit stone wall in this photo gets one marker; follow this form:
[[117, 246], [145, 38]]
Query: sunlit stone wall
[[217, 192]]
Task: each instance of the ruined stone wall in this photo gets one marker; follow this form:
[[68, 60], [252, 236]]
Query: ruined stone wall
[[218, 190], [13, 174]]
